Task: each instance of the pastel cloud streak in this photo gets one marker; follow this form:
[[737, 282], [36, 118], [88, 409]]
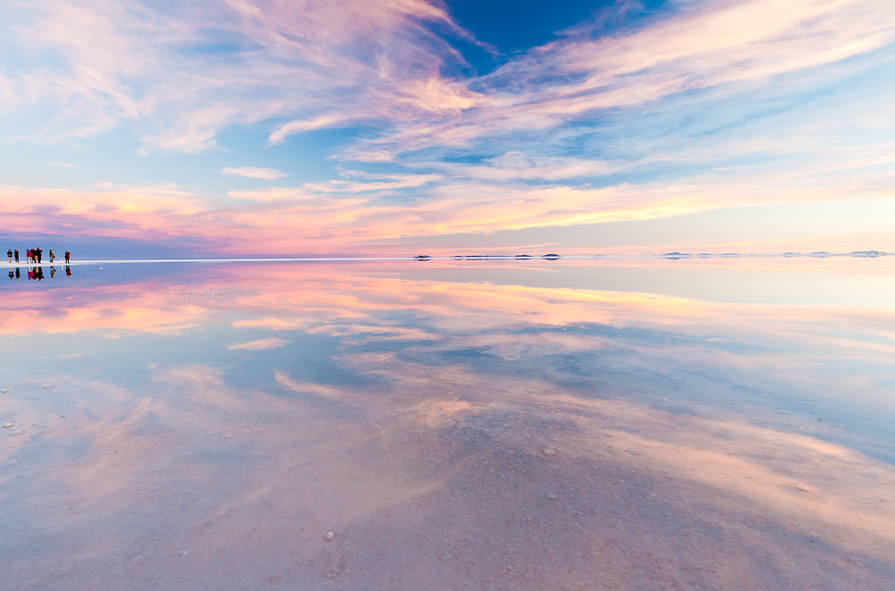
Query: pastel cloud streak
[[186, 71], [254, 172], [259, 345], [701, 106]]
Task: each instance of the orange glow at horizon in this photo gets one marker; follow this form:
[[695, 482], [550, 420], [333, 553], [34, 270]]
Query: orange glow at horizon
[[303, 220]]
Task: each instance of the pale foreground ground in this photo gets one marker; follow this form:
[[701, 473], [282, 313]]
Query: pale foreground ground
[[185, 483]]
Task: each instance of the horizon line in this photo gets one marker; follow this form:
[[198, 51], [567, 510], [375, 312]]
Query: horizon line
[[551, 257]]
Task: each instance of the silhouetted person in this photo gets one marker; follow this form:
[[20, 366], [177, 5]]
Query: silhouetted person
[[38, 252], [17, 255], [28, 255], [52, 255], [67, 258], [9, 254]]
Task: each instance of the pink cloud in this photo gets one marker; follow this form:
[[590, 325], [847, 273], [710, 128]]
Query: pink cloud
[[252, 172], [296, 46], [259, 345], [359, 216], [127, 60], [706, 46], [279, 135], [150, 65]]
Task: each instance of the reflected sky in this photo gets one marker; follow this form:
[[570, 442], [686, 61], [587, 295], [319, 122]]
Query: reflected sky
[[568, 424]]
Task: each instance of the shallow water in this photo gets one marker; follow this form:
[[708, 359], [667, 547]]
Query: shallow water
[[628, 424]]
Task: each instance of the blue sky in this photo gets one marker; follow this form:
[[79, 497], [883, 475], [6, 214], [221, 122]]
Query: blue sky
[[382, 127]]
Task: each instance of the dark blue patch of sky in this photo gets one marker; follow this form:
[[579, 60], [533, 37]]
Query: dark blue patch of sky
[[509, 27]]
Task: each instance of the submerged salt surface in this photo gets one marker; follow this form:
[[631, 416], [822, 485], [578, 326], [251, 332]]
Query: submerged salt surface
[[452, 427]]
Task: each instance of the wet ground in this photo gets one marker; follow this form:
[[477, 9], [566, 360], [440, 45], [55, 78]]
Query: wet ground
[[534, 425]]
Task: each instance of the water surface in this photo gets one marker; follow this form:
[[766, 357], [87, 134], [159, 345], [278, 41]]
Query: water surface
[[629, 424]]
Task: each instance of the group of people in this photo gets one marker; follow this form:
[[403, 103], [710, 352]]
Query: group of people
[[34, 256]]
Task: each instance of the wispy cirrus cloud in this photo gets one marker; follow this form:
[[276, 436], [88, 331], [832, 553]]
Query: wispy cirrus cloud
[[317, 67], [253, 172], [183, 72], [366, 215], [701, 105], [279, 135], [259, 345], [708, 51]]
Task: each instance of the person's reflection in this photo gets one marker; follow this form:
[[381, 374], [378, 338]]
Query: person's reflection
[[11, 274], [39, 273], [68, 270], [52, 272], [18, 275]]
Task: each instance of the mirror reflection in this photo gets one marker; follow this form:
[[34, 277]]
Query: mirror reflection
[[513, 425]]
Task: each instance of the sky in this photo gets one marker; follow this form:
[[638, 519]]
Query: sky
[[209, 128]]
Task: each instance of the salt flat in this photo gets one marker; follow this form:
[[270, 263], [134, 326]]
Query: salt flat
[[447, 425]]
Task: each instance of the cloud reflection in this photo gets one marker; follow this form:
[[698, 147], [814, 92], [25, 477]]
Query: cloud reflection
[[323, 398]]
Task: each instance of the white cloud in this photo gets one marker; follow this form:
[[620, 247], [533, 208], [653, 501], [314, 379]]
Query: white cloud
[[252, 172], [588, 128], [182, 72], [279, 135], [182, 75], [259, 345]]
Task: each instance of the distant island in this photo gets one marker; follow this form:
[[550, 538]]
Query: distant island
[[480, 257], [821, 254], [673, 255]]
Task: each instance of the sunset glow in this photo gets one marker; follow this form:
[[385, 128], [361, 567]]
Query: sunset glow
[[392, 127]]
